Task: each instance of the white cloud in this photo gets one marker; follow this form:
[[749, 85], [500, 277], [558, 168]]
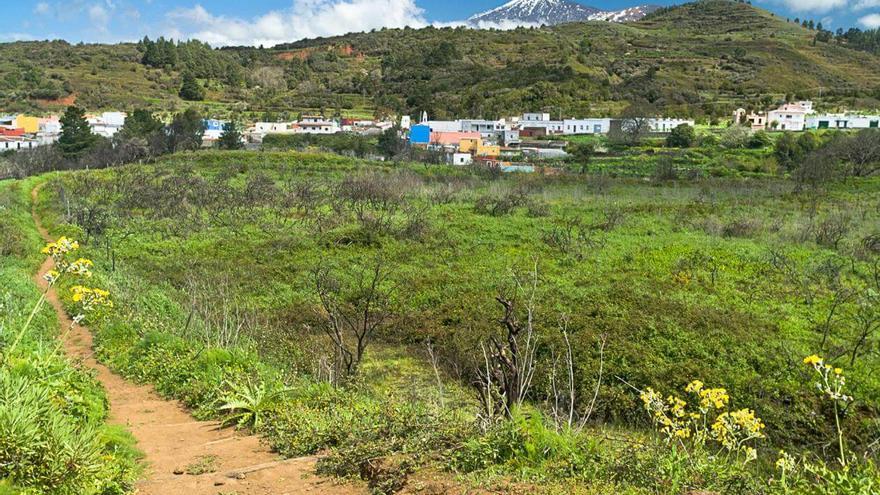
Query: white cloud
[[16, 37], [870, 21], [866, 4], [814, 5], [99, 16], [42, 8], [304, 19]]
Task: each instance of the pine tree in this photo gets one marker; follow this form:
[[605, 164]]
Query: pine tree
[[186, 131], [76, 135], [140, 124], [190, 89], [230, 139]]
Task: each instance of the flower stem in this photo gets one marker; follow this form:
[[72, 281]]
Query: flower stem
[[28, 323], [839, 435]]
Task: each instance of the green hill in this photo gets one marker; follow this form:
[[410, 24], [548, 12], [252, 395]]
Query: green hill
[[703, 58]]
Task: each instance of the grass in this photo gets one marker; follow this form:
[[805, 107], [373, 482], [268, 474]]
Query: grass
[[679, 277], [54, 436]]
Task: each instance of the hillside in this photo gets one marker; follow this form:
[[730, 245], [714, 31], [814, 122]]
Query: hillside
[[704, 58]]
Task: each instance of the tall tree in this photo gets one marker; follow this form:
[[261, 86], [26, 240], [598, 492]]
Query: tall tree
[[140, 124], [190, 89], [186, 131], [230, 138], [76, 135]]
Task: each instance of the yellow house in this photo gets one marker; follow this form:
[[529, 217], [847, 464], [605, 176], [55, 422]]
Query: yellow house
[[476, 147], [30, 124]]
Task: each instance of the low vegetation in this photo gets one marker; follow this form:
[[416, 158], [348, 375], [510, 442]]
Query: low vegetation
[[513, 329], [53, 432]]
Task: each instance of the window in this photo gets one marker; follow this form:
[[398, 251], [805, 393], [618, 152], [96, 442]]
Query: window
[[874, 124]]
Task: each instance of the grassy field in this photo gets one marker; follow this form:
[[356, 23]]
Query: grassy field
[[215, 260]]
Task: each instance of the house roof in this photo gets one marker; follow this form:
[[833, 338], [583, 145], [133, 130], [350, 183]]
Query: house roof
[[453, 137]]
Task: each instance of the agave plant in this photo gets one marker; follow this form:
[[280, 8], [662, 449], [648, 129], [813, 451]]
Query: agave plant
[[247, 404]]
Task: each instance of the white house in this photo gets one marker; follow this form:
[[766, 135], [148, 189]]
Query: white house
[[790, 117], [107, 124], [843, 121], [275, 128], [586, 126], [318, 127], [460, 159], [15, 144], [443, 125], [535, 117], [50, 127], [405, 122], [488, 128], [667, 125], [551, 126]]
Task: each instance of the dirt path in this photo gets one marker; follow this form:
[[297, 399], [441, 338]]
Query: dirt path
[[174, 442]]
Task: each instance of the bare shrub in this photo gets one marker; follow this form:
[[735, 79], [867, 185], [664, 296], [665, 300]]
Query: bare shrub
[[612, 217], [571, 237], [497, 206], [665, 170], [353, 307], [504, 380], [742, 227], [537, 209], [832, 229], [871, 243], [214, 319], [416, 224]]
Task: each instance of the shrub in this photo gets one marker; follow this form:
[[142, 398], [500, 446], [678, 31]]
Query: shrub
[[759, 140], [682, 136]]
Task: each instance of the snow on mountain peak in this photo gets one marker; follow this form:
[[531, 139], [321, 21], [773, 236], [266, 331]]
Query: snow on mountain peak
[[531, 12]]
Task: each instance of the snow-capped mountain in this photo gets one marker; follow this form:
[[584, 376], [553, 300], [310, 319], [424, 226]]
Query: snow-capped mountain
[[554, 12], [625, 15]]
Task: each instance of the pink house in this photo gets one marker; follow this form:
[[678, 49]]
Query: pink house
[[452, 138]]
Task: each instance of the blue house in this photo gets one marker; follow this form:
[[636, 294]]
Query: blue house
[[420, 134], [214, 125]]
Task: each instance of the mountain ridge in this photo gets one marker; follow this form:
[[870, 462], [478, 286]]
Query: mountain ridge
[[551, 12]]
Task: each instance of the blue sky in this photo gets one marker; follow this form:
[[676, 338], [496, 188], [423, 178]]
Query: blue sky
[[223, 22]]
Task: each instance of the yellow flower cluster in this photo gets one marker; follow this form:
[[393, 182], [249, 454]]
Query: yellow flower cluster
[[786, 462], [81, 267], [831, 380], [51, 276], [91, 299], [670, 415], [60, 247], [731, 429], [58, 250]]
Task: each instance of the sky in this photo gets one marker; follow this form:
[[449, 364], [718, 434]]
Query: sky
[[268, 22]]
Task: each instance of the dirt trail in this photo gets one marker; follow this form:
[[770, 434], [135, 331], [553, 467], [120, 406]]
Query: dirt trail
[[173, 441]]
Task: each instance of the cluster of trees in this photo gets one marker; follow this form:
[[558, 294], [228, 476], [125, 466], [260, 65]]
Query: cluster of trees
[[195, 58], [865, 40], [815, 161]]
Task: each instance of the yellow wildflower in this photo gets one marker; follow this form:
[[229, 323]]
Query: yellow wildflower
[[812, 360], [694, 386]]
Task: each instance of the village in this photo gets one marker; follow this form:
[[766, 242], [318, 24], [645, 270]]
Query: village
[[509, 144]]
